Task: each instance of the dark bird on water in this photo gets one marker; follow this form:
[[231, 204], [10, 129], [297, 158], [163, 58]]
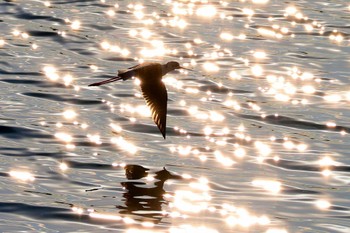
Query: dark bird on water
[[153, 89]]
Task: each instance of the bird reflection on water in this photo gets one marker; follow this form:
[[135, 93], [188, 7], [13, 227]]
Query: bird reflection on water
[[141, 200]]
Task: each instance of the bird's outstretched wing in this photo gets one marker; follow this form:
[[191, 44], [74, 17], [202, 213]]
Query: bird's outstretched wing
[[156, 98]]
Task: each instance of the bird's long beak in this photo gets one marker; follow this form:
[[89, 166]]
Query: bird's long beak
[[185, 68], [106, 81]]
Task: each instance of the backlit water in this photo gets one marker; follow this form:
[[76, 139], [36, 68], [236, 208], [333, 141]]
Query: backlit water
[[257, 135]]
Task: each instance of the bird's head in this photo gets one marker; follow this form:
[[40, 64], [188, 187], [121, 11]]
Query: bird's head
[[173, 65]]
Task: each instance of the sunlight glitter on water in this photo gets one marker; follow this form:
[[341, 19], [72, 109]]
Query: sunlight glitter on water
[[22, 175], [2, 42], [75, 25], [206, 11], [95, 138], [190, 202], [194, 229], [323, 204], [259, 67], [141, 110], [105, 216], [124, 145], [116, 128], [327, 161], [65, 137], [276, 230], [259, 54], [140, 231], [269, 185], [63, 166], [51, 73], [69, 114], [263, 148], [240, 152], [260, 1], [224, 160], [226, 36], [78, 210], [211, 67]]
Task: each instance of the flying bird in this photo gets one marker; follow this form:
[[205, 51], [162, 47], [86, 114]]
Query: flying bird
[[153, 89]]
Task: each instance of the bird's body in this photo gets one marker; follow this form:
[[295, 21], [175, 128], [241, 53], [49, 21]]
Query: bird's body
[[153, 89], [146, 71]]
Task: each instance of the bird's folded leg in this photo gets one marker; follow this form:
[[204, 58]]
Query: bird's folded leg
[[106, 81]]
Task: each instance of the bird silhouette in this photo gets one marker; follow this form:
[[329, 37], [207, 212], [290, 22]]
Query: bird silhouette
[[153, 89]]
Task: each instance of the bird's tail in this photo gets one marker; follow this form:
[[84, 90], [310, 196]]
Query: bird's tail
[[106, 81]]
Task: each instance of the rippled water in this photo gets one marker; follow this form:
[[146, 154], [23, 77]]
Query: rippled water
[[257, 137]]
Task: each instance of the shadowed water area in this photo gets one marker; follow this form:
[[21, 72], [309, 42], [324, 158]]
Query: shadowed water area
[[257, 135]]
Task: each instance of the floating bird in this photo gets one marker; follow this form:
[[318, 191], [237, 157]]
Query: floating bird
[[153, 89]]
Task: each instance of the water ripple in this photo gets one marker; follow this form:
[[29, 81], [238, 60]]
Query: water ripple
[[16, 132], [293, 123], [61, 98], [257, 133]]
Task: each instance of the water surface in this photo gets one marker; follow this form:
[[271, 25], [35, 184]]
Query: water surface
[[257, 136]]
